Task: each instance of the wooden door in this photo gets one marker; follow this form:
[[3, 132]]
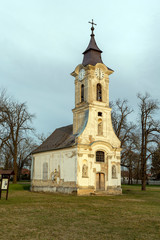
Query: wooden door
[[100, 181]]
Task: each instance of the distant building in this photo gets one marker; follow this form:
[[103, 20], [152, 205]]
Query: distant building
[[124, 176], [82, 158], [25, 174]]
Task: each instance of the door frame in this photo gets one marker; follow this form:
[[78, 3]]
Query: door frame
[[100, 184]]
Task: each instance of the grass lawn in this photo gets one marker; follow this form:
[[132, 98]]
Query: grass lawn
[[27, 215]]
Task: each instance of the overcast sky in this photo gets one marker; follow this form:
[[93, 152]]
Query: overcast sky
[[41, 43]]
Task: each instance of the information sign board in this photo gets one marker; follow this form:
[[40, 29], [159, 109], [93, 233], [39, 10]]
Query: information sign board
[[4, 184]]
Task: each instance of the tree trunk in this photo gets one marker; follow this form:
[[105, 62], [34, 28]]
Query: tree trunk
[[143, 155], [15, 172], [15, 166], [137, 173], [143, 183], [143, 174], [130, 176]]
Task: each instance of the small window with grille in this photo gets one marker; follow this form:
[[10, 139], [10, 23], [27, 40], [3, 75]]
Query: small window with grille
[[100, 114], [99, 156]]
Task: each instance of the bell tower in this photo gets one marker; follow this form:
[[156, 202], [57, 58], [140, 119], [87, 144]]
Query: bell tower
[[91, 89], [98, 148]]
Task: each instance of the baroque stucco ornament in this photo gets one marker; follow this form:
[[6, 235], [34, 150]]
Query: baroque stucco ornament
[[55, 175]]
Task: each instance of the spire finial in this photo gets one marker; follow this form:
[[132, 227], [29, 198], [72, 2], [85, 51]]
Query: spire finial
[[92, 28]]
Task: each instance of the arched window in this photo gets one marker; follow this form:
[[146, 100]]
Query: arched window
[[99, 156], [45, 171], [114, 171], [82, 93], [99, 92]]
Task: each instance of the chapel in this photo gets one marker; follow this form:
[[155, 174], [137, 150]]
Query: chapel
[[82, 158]]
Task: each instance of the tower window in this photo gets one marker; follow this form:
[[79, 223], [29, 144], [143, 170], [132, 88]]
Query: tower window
[[99, 156], [82, 93], [100, 114], [99, 92]]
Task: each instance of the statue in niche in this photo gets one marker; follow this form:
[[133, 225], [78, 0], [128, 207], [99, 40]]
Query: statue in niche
[[113, 171], [55, 176], [85, 170], [52, 176], [100, 128]]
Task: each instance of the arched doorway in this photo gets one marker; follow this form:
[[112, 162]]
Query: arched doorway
[[100, 181]]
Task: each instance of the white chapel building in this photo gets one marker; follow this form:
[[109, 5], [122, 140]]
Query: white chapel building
[[82, 158]]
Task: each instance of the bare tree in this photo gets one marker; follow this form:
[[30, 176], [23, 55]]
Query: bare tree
[[41, 137], [6, 157], [155, 169], [120, 112], [150, 129], [131, 157], [15, 125], [4, 131], [24, 154], [124, 130]]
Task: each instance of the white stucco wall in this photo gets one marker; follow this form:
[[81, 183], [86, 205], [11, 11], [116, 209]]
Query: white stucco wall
[[64, 160]]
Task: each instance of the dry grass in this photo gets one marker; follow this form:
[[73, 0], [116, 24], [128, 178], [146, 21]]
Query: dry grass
[[133, 216]]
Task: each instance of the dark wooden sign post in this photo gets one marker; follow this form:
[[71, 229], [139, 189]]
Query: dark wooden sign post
[[4, 184]]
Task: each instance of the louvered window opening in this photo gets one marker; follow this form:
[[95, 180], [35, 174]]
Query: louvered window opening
[[99, 92], [82, 93]]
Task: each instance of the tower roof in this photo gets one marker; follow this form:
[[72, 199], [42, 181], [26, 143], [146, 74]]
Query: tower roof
[[92, 55]]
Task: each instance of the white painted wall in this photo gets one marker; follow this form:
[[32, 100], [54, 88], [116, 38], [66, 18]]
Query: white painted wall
[[65, 158], [110, 159]]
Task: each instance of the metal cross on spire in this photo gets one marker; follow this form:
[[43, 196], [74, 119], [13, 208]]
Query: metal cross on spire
[[92, 28]]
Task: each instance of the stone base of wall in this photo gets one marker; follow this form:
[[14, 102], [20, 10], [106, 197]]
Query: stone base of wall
[[114, 190], [85, 191], [60, 189], [50, 186], [72, 188], [91, 191]]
